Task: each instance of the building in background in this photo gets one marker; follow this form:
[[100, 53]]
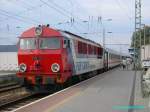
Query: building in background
[[145, 52], [8, 58]]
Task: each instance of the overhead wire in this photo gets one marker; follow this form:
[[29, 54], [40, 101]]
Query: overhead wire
[[123, 9], [52, 7], [22, 12], [14, 17], [59, 10], [8, 14], [17, 17], [58, 6], [20, 18]]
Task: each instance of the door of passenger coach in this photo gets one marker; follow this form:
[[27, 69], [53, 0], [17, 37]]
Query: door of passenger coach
[[106, 60]]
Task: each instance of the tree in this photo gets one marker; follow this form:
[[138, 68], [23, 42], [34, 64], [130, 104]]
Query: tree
[[136, 37]]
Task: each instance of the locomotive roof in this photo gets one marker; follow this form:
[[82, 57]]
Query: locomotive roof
[[46, 31], [31, 33], [81, 37]]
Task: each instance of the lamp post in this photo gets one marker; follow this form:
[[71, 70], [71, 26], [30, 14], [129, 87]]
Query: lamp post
[[85, 21], [104, 36], [104, 30]]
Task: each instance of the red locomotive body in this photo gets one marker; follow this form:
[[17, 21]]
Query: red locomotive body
[[42, 59]]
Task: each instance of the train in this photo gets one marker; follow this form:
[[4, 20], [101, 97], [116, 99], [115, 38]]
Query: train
[[48, 56]]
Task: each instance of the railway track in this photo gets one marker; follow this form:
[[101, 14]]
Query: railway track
[[11, 93], [8, 87], [14, 96], [20, 101], [18, 97]]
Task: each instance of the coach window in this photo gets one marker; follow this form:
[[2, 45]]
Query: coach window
[[100, 52], [79, 47], [92, 50], [89, 49], [95, 50], [85, 48]]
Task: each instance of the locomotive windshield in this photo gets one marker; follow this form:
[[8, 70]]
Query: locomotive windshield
[[49, 43], [28, 43]]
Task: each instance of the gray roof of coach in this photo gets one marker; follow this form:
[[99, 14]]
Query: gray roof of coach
[[113, 51]]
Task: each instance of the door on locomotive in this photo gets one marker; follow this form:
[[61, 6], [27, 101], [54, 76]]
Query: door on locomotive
[[68, 46]]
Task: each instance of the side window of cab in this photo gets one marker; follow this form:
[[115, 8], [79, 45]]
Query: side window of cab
[[66, 43]]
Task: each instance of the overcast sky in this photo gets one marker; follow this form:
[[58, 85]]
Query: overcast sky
[[18, 15]]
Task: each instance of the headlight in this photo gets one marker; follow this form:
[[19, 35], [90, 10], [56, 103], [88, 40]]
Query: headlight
[[55, 67], [38, 31], [22, 67]]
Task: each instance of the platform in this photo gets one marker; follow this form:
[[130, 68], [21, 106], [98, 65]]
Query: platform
[[139, 100], [112, 91]]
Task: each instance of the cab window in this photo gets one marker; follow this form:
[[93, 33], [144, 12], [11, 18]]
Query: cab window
[[27, 43], [49, 43]]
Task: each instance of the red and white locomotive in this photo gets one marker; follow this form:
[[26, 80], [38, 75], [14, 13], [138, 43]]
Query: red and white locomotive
[[48, 56]]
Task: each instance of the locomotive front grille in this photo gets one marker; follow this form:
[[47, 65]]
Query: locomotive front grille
[[36, 58]]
